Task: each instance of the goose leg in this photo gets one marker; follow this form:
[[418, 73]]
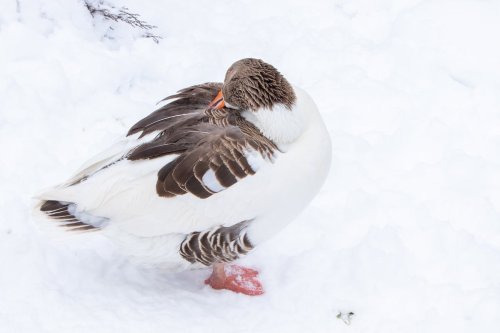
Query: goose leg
[[218, 278]]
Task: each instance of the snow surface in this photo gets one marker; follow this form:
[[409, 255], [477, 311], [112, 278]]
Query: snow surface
[[405, 233]]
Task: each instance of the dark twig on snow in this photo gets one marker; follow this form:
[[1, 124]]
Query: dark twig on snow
[[122, 14]]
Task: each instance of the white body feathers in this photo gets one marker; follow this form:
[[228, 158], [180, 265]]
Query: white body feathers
[[146, 225]]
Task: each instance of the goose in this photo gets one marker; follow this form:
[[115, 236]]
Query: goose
[[217, 170]]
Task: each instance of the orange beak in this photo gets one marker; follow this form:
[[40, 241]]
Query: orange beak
[[218, 102]]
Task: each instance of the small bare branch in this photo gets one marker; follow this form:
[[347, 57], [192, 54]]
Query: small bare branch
[[123, 14]]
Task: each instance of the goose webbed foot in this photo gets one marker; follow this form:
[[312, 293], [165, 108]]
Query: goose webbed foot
[[235, 278]]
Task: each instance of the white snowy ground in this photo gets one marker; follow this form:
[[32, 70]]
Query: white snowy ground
[[405, 233]]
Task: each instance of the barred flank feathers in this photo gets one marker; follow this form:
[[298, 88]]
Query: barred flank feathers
[[221, 244]]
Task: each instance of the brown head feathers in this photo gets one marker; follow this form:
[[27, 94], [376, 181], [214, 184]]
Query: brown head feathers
[[252, 84]]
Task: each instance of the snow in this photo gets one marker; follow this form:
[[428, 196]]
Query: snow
[[405, 233]]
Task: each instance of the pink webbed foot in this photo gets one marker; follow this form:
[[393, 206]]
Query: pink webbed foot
[[235, 278]]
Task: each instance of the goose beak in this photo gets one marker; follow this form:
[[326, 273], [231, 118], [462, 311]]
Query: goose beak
[[218, 102]]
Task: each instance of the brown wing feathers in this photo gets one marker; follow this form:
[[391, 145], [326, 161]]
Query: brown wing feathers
[[206, 141], [187, 108]]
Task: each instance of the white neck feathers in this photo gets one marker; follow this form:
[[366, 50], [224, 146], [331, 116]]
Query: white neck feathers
[[279, 124]]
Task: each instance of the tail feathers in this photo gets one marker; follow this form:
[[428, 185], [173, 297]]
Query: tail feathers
[[63, 213]]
